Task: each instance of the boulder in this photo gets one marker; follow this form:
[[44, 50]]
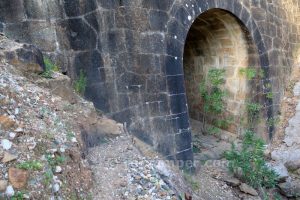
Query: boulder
[[17, 177], [248, 189], [292, 165], [281, 171], [61, 86], [290, 188], [232, 182], [3, 185], [95, 129], [27, 58], [8, 157], [6, 123]]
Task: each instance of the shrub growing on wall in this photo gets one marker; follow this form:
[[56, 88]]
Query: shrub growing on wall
[[212, 98]]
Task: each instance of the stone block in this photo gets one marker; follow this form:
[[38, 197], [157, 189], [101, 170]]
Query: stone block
[[175, 84], [158, 20], [183, 141], [178, 103], [152, 43], [75, 34], [12, 11], [76, 7], [157, 5]]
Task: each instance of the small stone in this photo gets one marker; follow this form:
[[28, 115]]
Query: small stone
[[19, 130], [52, 150], [8, 157], [6, 144], [248, 189], [163, 169], [153, 180], [58, 169], [17, 111], [3, 185], [123, 184], [162, 193], [188, 196], [32, 145], [17, 177], [6, 123], [292, 165], [130, 148], [10, 191], [74, 140], [232, 182], [62, 150], [12, 135], [56, 187], [165, 187]]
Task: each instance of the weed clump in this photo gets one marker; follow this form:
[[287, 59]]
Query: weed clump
[[249, 163], [50, 67], [80, 83]]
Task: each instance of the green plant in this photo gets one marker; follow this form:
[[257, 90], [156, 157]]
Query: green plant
[[212, 96], [223, 123], [249, 163], [253, 110], [48, 176], [273, 121], [196, 149], [213, 130], [277, 197], [30, 165], [18, 196], [269, 95], [250, 73], [189, 178], [80, 83], [50, 67], [70, 135], [56, 160]]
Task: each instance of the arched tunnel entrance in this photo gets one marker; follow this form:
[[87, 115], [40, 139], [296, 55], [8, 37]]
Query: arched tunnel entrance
[[218, 40]]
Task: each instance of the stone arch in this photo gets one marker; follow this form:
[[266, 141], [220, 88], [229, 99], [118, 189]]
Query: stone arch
[[182, 17]]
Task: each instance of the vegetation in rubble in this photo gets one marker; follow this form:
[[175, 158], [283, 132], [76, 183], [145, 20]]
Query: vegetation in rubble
[[190, 179], [30, 165], [48, 177], [249, 163], [212, 98], [80, 83], [50, 67], [18, 196], [56, 160]]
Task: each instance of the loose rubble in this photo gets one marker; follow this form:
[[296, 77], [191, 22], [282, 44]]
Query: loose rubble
[[33, 120]]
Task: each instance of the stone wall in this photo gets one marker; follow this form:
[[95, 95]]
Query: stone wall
[[132, 53]]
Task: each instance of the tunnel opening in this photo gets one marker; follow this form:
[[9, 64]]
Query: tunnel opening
[[218, 41]]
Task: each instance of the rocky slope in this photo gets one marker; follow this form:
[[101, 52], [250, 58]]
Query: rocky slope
[[285, 152], [40, 133]]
